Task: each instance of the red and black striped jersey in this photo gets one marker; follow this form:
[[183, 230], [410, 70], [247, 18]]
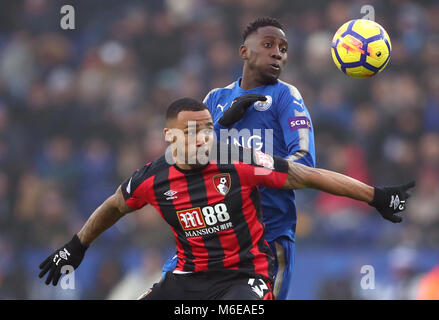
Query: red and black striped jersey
[[214, 211]]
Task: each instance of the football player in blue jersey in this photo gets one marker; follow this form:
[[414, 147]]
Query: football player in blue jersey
[[258, 110]]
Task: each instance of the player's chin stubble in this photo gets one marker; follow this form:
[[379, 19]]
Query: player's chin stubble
[[268, 78]]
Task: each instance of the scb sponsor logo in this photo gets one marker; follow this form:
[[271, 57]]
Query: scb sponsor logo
[[299, 123]]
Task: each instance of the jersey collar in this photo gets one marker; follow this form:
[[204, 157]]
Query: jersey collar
[[256, 89]]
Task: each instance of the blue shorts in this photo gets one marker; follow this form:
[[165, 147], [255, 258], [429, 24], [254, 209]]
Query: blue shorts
[[283, 249]]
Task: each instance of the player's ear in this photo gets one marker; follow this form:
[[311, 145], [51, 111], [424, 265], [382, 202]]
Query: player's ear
[[169, 136], [243, 52]]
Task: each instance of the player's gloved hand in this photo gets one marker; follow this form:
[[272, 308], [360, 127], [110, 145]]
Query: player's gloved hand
[[71, 254], [391, 200], [238, 108]]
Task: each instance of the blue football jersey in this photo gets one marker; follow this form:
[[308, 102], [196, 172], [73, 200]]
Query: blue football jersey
[[281, 126]]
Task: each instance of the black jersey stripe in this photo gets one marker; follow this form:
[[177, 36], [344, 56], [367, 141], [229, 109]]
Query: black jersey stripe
[[234, 203], [198, 194], [162, 185]]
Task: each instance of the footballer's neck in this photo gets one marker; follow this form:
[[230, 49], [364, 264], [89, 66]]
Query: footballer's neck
[[252, 79]]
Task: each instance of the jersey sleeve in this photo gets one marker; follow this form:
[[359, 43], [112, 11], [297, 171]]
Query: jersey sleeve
[[134, 188], [297, 128], [209, 101], [263, 169]]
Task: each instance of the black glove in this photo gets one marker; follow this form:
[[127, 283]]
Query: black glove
[[71, 254], [391, 200], [238, 108]]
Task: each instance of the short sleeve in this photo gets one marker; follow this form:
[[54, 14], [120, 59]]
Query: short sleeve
[[264, 169], [209, 100], [295, 122], [134, 188]]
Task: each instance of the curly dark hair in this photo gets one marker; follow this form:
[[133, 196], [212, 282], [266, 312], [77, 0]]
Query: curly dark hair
[[258, 23]]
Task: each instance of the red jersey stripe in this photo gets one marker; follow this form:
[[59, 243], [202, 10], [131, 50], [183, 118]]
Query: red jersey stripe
[[231, 248], [200, 252], [138, 198]]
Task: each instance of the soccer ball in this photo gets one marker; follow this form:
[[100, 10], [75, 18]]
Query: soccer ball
[[361, 48]]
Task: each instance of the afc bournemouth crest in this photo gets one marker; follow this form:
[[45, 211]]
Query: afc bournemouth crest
[[222, 183]]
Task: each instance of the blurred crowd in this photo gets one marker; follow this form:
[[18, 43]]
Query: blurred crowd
[[81, 109]]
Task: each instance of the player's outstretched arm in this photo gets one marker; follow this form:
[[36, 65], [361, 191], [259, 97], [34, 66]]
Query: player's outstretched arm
[[104, 217], [301, 176], [387, 200], [72, 253]]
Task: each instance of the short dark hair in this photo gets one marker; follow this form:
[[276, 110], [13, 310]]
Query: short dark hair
[[258, 23], [184, 104]]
